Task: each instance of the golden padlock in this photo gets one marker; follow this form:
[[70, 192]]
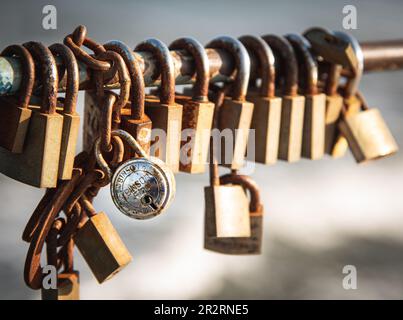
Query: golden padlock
[[266, 117], [293, 104], [198, 111]]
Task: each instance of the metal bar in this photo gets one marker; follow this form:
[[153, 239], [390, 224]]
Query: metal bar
[[378, 56]]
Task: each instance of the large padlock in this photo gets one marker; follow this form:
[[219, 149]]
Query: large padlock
[[266, 117], [38, 164], [235, 113], [134, 119], [71, 119], [198, 111], [241, 245], [313, 138], [367, 134], [141, 188], [14, 111], [293, 104], [164, 112]]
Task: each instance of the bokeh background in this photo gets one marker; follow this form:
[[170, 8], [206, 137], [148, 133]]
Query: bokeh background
[[320, 215]]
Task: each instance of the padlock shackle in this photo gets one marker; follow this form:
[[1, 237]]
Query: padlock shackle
[[49, 76], [302, 49], [72, 79], [264, 55], [283, 49], [51, 242], [166, 66], [137, 91], [242, 63], [28, 71], [196, 50]]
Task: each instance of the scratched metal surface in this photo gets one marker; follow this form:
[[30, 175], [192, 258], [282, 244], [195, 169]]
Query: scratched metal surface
[[321, 215]]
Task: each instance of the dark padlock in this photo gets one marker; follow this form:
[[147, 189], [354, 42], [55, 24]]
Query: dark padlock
[[198, 111], [293, 104], [266, 117]]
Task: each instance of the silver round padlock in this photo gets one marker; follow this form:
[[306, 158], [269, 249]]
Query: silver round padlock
[[141, 188]]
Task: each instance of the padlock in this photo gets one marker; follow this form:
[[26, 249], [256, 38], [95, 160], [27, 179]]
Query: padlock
[[241, 245], [164, 112], [71, 119], [266, 117], [101, 246], [313, 137], [38, 164], [235, 114], [198, 111], [293, 104], [134, 120], [141, 188], [367, 134], [15, 112]]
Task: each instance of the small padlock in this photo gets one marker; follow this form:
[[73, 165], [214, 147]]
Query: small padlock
[[165, 113], [235, 114], [100, 245], [313, 137], [367, 134], [141, 188], [293, 104], [38, 164], [71, 119], [266, 117], [134, 120], [241, 245], [15, 112], [198, 111]]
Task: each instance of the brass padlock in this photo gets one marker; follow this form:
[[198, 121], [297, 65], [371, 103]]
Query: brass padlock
[[242, 245], [235, 113], [293, 104], [313, 138], [266, 117], [15, 112], [164, 112], [100, 245], [134, 119], [198, 111], [368, 136], [71, 119], [38, 164]]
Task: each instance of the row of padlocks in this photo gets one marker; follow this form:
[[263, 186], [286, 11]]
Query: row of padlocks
[[304, 102]]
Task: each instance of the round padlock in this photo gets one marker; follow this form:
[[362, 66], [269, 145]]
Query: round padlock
[[141, 188]]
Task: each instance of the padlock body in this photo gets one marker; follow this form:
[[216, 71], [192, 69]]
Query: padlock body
[[38, 164], [291, 129], [334, 105], [71, 126], [226, 212], [92, 119], [196, 129], [313, 138], [167, 119], [68, 287], [266, 122], [368, 136], [235, 118], [14, 123], [102, 248]]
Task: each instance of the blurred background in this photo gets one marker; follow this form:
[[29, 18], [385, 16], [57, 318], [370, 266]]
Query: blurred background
[[320, 215]]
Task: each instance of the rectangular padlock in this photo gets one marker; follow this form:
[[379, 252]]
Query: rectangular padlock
[[334, 105], [68, 287]]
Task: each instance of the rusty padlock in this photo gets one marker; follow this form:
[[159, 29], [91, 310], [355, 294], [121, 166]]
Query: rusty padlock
[[198, 111], [38, 164], [293, 104], [235, 114], [14, 111], [266, 117], [241, 245], [71, 119], [164, 112], [313, 138]]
